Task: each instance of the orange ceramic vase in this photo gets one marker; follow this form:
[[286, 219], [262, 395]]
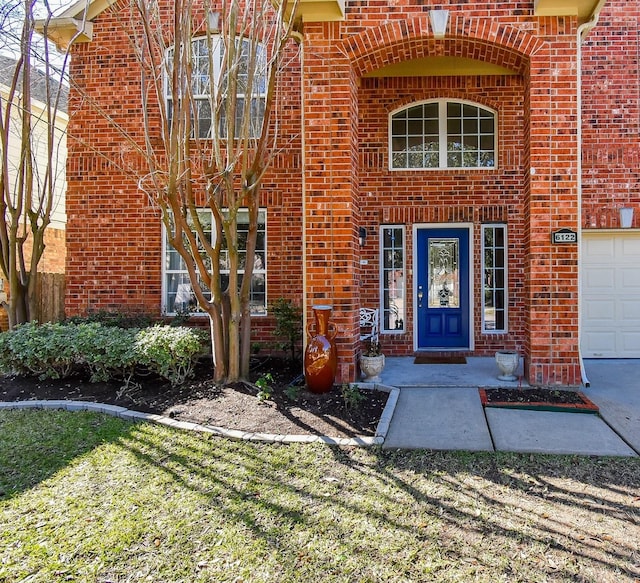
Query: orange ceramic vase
[[321, 355]]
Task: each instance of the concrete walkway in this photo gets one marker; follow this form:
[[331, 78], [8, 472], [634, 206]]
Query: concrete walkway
[[439, 408]]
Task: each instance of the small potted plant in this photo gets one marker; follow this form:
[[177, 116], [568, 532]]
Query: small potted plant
[[372, 361]]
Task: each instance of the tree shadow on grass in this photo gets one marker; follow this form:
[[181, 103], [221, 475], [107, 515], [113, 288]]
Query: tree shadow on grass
[[566, 515], [359, 514]]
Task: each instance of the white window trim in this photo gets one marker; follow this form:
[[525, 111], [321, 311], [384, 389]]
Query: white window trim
[[442, 133], [384, 330], [506, 279], [165, 311]]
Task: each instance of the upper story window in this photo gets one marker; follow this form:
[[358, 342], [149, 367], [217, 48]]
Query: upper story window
[[442, 134], [251, 89]]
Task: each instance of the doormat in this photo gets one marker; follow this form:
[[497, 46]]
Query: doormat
[[538, 400], [427, 359]]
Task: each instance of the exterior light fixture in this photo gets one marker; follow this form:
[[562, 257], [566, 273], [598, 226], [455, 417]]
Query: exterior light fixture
[[213, 21], [362, 236], [626, 217], [439, 20]]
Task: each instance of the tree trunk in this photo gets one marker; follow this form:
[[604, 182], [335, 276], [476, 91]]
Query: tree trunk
[[245, 341], [218, 346], [18, 312]]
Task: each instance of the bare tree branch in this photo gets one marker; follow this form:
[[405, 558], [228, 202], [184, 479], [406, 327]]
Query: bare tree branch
[[31, 181]]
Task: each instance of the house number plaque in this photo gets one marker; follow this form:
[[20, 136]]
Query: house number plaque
[[564, 236]]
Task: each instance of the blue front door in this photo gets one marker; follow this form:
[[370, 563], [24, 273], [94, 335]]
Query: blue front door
[[442, 291]]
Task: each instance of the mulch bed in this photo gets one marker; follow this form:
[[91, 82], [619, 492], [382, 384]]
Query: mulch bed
[[231, 407], [538, 399]]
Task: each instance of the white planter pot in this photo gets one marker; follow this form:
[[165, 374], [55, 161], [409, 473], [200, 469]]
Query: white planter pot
[[507, 361], [371, 367], [626, 217]]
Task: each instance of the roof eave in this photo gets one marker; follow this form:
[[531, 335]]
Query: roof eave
[[75, 24], [585, 10]]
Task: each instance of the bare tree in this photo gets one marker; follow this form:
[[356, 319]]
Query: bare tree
[[30, 139], [211, 73]]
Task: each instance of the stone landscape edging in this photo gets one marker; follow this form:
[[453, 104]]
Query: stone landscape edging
[[131, 415]]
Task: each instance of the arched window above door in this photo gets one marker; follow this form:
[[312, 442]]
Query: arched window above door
[[442, 134]]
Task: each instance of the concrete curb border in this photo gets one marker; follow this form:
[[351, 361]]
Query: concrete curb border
[[131, 415]]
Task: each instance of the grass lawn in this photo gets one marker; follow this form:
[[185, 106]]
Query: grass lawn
[[85, 497]]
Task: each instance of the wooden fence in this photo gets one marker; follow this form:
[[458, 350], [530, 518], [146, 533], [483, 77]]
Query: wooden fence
[[51, 289]]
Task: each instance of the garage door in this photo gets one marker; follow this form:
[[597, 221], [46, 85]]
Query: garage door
[[611, 295]]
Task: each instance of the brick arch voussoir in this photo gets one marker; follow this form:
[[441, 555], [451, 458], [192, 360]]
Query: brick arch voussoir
[[496, 42], [453, 95]]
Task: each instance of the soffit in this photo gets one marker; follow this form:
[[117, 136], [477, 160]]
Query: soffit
[[74, 23], [583, 9], [440, 67], [328, 10], [321, 10]]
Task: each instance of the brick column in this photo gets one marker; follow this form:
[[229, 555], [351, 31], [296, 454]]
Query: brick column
[[331, 206], [552, 270]]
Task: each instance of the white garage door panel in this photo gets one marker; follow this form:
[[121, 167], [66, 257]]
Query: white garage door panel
[[601, 341], [631, 278], [600, 279], [611, 294], [600, 247], [630, 313], [630, 342], [630, 248], [598, 310]]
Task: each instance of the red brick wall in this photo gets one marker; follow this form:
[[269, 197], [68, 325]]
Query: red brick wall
[[611, 116], [55, 253], [114, 242], [412, 197]]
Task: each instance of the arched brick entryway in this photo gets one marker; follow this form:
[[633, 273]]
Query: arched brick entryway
[[335, 202]]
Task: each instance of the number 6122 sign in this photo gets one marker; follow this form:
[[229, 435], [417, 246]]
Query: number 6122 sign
[[564, 236]]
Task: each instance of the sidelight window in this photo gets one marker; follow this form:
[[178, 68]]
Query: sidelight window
[[494, 281], [393, 279]]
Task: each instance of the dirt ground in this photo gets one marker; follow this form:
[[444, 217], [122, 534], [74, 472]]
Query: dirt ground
[[232, 407]]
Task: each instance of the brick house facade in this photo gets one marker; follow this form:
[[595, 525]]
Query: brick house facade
[[545, 79]]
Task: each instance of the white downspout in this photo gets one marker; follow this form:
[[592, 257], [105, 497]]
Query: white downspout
[[583, 31], [303, 144]]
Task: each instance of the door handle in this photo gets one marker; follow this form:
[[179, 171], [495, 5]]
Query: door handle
[[420, 296]]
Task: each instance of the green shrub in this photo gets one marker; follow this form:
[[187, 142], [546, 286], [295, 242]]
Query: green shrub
[[114, 319], [169, 351], [107, 352], [265, 388], [288, 324], [45, 350], [352, 396]]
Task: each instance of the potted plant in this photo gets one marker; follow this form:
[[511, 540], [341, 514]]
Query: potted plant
[[372, 361]]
